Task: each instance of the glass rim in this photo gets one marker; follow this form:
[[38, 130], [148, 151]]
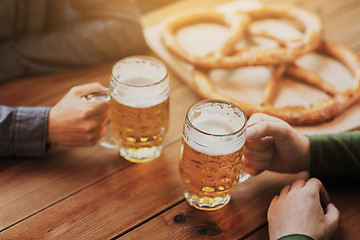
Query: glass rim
[[152, 59], [216, 101]]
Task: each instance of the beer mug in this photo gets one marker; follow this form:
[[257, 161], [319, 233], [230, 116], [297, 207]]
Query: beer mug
[[211, 153], [139, 108]]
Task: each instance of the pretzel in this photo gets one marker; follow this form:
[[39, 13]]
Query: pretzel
[[317, 112], [236, 22], [230, 57]]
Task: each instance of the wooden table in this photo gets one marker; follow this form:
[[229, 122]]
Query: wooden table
[[93, 193]]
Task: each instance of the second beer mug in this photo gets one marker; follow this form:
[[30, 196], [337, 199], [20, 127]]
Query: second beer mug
[[211, 153], [139, 112]]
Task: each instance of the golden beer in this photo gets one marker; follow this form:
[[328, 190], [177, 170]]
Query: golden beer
[[139, 130], [139, 110], [211, 153], [209, 179]]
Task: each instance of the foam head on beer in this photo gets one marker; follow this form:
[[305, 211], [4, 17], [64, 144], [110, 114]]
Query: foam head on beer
[[138, 82], [211, 151], [215, 128], [139, 89]]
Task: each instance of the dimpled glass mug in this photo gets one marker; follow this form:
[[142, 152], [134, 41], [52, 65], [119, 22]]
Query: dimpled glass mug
[[211, 153], [139, 109]]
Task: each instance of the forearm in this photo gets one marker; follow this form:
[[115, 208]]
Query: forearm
[[335, 155], [23, 131]]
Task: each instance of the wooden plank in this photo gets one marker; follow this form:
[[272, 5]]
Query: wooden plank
[[245, 213], [339, 28], [262, 233], [33, 185], [87, 192], [103, 210], [346, 197], [68, 170]]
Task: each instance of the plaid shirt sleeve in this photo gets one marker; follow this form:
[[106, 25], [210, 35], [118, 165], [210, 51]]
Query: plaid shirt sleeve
[[23, 131]]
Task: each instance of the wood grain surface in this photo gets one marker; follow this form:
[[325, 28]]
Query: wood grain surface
[[93, 193]]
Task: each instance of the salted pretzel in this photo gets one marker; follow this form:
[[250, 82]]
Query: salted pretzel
[[229, 56], [317, 112], [236, 22]]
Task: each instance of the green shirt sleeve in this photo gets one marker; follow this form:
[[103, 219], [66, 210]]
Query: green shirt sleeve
[[335, 155], [296, 237]]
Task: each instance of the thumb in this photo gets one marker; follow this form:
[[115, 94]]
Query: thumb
[[332, 215]]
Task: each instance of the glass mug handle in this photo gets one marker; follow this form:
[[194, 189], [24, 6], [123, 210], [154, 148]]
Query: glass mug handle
[[244, 176], [107, 140]]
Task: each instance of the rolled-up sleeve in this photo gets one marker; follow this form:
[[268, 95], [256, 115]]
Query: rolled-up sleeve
[[23, 131]]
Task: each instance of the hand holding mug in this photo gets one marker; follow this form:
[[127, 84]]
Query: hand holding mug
[[272, 144], [74, 121]]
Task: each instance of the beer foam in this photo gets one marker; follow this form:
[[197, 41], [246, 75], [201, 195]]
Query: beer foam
[[139, 98], [212, 147], [140, 82], [220, 143], [214, 126]]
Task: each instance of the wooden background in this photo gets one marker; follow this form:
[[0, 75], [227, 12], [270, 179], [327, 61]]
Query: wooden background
[[92, 193]]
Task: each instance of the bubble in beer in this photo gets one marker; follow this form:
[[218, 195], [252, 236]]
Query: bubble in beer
[[139, 89]]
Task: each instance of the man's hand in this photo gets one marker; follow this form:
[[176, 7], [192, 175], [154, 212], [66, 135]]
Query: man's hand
[[303, 208], [272, 144], [75, 121]]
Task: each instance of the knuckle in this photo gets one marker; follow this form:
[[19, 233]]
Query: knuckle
[[88, 111], [251, 168], [258, 116], [313, 185], [90, 139], [263, 126], [84, 114], [250, 154], [314, 181], [255, 172], [75, 89], [299, 181], [269, 126], [247, 153], [90, 127], [100, 106], [95, 84]]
